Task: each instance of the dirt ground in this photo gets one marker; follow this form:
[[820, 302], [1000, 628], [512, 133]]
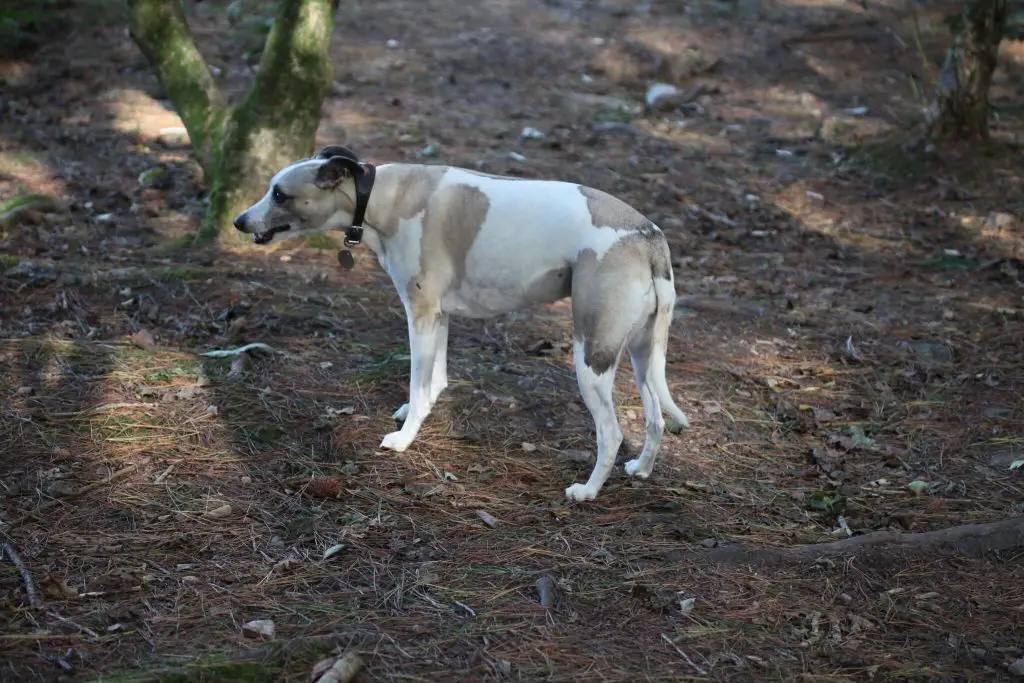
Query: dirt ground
[[852, 361]]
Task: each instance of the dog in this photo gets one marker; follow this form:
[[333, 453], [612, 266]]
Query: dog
[[461, 242]]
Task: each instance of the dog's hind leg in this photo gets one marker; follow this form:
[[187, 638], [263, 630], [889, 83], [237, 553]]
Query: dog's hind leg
[[439, 375], [596, 387], [666, 294], [640, 350], [424, 339]]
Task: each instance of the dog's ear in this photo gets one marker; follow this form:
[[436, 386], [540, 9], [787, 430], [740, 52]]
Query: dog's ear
[[336, 151], [336, 169]]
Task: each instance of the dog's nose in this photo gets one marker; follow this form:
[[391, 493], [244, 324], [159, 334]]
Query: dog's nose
[[240, 222]]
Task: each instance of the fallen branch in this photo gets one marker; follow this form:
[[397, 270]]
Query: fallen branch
[[74, 494], [881, 547], [30, 586]]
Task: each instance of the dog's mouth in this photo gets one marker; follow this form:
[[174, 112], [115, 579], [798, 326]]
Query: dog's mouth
[[268, 235]]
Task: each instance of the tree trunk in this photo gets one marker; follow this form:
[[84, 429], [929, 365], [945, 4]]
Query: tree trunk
[[241, 147], [960, 109]]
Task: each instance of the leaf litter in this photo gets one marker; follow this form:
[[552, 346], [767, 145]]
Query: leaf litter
[[835, 304]]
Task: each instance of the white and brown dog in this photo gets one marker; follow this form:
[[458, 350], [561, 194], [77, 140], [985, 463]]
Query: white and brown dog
[[461, 242]]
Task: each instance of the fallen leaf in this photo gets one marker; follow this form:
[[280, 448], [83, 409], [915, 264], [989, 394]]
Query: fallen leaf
[[487, 518], [918, 486], [218, 512], [143, 339], [259, 628], [546, 591], [337, 670], [333, 550]]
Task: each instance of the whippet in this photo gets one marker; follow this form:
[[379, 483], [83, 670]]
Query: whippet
[[465, 243]]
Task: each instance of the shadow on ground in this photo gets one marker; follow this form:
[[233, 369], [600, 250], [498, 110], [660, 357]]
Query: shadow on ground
[[836, 351]]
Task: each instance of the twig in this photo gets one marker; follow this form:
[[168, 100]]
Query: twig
[[685, 657], [87, 631], [30, 586], [82, 491], [163, 475]]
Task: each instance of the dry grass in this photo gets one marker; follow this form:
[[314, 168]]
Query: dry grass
[[161, 503]]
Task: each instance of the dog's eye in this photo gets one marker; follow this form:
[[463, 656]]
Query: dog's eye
[[279, 196]]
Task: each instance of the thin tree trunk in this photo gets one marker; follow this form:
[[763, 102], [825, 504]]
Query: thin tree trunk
[[241, 147], [960, 109]]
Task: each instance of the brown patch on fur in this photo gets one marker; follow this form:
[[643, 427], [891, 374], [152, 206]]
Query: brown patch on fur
[[602, 315], [453, 219], [405, 191], [607, 211]]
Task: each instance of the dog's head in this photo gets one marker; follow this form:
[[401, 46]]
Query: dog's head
[[307, 197]]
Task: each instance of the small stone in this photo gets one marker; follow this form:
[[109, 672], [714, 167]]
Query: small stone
[[212, 410], [1017, 668], [660, 95], [246, 480], [190, 580], [528, 447], [530, 133], [25, 391], [260, 628]]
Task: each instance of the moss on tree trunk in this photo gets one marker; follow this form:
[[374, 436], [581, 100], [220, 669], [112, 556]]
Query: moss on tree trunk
[[240, 147], [960, 109]]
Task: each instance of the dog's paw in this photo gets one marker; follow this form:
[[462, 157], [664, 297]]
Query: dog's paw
[[634, 468], [677, 426], [401, 413], [396, 441], [580, 493]]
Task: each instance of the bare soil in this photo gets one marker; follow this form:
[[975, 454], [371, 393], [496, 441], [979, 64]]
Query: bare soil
[[852, 362]]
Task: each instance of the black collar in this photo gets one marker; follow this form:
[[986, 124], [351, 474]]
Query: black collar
[[364, 185]]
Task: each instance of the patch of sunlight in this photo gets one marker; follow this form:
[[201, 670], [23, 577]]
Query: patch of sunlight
[[136, 113], [26, 173], [997, 230], [799, 202], [694, 144]]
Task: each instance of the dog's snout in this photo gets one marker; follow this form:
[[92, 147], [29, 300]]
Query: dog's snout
[[240, 222]]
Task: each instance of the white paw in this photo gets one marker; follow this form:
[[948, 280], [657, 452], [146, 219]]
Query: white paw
[[401, 413], [580, 493], [633, 469], [396, 441]]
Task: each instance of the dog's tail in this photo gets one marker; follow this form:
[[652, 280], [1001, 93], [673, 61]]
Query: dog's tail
[[665, 300]]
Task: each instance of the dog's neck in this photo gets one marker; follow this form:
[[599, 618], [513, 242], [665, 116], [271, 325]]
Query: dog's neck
[[383, 198]]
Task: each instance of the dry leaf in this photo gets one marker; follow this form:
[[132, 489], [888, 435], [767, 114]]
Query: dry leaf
[[341, 670], [218, 512], [487, 518], [260, 628], [143, 339]]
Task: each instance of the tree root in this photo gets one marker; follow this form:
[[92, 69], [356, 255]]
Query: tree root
[[878, 548]]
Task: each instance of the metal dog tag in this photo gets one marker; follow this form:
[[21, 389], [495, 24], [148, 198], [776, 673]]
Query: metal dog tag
[[345, 259]]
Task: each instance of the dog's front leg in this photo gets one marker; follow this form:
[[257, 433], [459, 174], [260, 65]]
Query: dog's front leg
[[439, 376], [424, 338]]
